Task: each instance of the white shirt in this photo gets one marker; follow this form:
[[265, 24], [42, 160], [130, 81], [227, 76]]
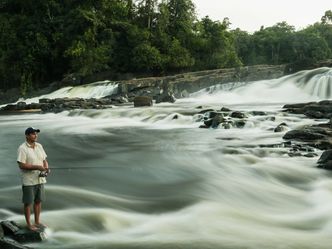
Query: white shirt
[[27, 154]]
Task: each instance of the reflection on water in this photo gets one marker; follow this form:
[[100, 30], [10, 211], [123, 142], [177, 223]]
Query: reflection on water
[[138, 178]]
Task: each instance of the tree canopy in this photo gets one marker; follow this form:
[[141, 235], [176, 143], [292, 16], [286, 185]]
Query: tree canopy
[[43, 40]]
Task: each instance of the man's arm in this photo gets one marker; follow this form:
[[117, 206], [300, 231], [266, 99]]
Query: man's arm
[[45, 165], [28, 166]]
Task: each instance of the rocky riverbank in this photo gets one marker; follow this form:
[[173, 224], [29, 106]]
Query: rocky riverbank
[[179, 85], [315, 136]]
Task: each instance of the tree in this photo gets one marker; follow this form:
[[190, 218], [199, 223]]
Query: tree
[[181, 19], [146, 58], [214, 46], [327, 18]]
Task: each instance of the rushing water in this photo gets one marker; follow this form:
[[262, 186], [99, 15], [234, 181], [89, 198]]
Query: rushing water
[[138, 178]]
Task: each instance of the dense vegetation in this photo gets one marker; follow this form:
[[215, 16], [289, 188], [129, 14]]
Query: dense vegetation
[[43, 40]]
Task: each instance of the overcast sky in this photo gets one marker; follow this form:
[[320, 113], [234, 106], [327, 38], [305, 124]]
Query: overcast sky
[[250, 15]]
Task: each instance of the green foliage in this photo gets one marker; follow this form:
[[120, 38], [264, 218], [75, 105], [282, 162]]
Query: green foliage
[[146, 58], [43, 40], [178, 56]]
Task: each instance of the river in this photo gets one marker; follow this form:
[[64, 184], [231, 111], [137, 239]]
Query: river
[[140, 178]]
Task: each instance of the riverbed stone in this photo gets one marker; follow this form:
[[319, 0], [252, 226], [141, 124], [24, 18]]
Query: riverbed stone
[[6, 243], [143, 101], [237, 114], [281, 127]]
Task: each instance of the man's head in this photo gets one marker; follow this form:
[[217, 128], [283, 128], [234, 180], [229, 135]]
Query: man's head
[[31, 134]]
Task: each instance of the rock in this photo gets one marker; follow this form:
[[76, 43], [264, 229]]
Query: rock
[[44, 101], [225, 109], [208, 122], [303, 135], [237, 114], [281, 127], [325, 157], [165, 97], [14, 231], [211, 114], [6, 243], [258, 113], [310, 154], [317, 110], [142, 101], [240, 123], [216, 120], [325, 160], [294, 154], [314, 114], [21, 105]]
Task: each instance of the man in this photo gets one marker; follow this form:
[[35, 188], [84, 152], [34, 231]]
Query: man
[[31, 159]]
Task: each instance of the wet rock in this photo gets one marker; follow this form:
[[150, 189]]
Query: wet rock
[[237, 114], [45, 101], [217, 120], [211, 114], [240, 123], [204, 126], [225, 109], [6, 243], [208, 122], [314, 114], [13, 231], [165, 97], [317, 110], [142, 101], [325, 160], [311, 154], [294, 154], [281, 127], [21, 105], [258, 113], [61, 104], [175, 117], [303, 135]]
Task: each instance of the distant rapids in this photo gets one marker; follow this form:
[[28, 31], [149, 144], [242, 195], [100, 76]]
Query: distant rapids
[[150, 178]]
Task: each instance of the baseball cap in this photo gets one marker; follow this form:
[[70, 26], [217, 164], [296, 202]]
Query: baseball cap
[[31, 130]]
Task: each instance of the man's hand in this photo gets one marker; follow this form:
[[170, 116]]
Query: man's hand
[[27, 166]]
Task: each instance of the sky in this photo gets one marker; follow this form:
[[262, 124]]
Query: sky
[[250, 15]]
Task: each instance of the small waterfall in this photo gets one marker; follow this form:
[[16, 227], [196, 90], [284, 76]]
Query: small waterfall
[[316, 82], [96, 90], [219, 87]]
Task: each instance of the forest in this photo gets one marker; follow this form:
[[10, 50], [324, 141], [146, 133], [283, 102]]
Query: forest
[[42, 41]]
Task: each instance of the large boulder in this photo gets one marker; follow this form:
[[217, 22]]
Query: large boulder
[[143, 101], [325, 160], [6, 243], [12, 230], [165, 97], [304, 135]]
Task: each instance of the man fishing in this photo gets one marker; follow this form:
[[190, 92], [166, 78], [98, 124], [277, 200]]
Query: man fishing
[[31, 159]]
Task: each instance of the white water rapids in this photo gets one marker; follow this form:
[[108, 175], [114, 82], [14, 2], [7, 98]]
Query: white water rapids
[[141, 178]]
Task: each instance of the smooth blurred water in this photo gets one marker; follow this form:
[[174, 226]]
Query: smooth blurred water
[[138, 178]]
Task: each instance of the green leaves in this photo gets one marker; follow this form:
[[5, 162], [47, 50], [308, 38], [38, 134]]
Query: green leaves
[[43, 40]]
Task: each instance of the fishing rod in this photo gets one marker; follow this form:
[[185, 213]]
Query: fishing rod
[[45, 173]]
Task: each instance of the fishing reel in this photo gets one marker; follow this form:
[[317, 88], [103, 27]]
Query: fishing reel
[[44, 173]]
